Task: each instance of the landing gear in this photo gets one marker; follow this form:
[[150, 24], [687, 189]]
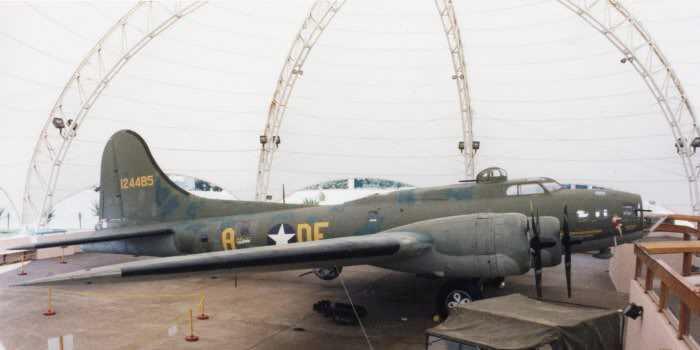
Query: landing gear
[[456, 292], [328, 273]]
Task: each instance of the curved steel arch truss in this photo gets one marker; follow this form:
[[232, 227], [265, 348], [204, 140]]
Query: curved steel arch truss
[[94, 73], [454, 41], [322, 12], [320, 15], [611, 19]]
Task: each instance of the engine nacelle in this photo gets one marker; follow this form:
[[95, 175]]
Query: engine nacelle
[[481, 245]]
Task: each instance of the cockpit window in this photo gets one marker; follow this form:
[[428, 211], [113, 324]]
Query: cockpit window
[[512, 190], [552, 186], [526, 189]]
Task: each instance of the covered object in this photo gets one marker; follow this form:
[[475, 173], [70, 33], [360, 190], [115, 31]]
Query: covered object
[[518, 322]]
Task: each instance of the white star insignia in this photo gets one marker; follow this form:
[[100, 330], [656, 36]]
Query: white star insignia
[[281, 237]]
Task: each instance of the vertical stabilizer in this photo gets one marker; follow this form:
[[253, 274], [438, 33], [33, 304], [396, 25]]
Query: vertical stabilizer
[[134, 190]]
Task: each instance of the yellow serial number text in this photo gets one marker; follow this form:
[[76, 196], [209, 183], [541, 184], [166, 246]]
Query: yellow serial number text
[[136, 182]]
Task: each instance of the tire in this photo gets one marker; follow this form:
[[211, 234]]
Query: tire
[[455, 292], [328, 273]]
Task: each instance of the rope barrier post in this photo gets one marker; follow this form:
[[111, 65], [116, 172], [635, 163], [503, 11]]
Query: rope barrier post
[[50, 311], [202, 315], [21, 267], [62, 260], [191, 336]]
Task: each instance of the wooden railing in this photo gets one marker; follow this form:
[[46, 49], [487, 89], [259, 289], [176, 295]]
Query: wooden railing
[[672, 282], [669, 225]]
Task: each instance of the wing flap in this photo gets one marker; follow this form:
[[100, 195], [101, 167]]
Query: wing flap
[[105, 235], [345, 251]]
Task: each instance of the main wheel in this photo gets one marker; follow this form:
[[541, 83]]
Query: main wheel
[[328, 273], [456, 292]]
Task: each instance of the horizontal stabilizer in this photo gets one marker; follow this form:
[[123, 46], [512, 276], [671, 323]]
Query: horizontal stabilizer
[[105, 235], [345, 251]]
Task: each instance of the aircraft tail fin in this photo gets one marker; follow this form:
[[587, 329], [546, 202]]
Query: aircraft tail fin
[[135, 191], [133, 188]]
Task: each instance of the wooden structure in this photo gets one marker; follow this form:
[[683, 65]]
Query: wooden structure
[[649, 268]]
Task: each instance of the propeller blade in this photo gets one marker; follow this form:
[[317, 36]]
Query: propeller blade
[[536, 247], [538, 272], [566, 242]]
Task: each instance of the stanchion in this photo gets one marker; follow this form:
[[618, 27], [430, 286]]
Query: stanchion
[[21, 267], [202, 315], [50, 311], [62, 260], [191, 336]]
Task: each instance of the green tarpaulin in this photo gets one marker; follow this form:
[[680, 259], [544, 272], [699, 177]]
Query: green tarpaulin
[[518, 322]]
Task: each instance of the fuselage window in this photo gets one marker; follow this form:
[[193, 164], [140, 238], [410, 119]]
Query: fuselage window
[[526, 189], [582, 214]]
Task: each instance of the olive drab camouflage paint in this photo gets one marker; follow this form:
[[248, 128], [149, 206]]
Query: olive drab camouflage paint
[[482, 228]]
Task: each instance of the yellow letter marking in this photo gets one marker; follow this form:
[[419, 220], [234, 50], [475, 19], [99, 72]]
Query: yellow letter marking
[[303, 232], [317, 229], [306, 232], [228, 238]]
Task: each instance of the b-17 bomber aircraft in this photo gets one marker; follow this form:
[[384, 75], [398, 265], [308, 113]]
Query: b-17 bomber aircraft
[[464, 233]]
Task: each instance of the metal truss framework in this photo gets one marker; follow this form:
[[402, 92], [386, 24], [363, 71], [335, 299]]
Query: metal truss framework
[[100, 66], [611, 19], [454, 41], [316, 22], [94, 73], [320, 15]]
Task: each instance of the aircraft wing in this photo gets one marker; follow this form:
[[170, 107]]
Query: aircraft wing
[[104, 235], [346, 251]]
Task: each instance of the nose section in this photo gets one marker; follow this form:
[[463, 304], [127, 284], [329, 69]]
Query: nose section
[[632, 211]]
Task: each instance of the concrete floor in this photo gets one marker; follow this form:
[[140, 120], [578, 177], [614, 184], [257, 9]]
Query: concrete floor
[[264, 311]]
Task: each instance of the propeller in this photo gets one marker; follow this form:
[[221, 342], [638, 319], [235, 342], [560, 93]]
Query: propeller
[[536, 246], [567, 242]]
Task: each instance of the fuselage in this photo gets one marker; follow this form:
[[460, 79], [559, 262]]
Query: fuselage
[[596, 217]]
